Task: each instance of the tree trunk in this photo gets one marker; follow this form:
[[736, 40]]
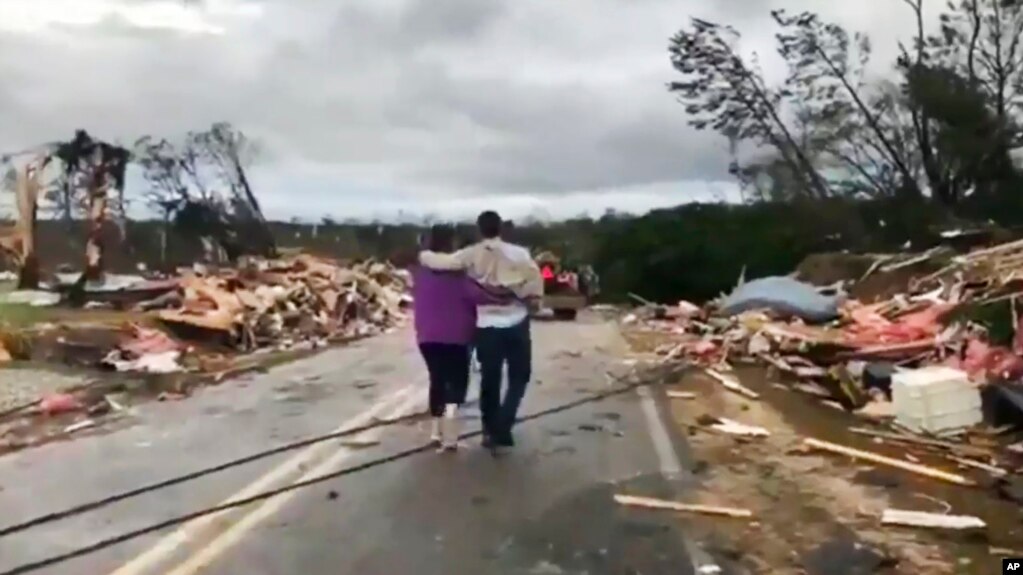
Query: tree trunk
[[163, 241], [800, 165], [97, 218], [816, 182], [27, 201], [269, 247], [872, 121]]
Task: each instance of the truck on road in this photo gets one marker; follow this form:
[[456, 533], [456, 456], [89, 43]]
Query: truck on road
[[565, 292]]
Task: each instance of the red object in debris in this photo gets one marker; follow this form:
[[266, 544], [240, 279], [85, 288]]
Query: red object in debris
[[58, 403], [983, 361], [1017, 340], [704, 348], [548, 273], [870, 328], [145, 340]]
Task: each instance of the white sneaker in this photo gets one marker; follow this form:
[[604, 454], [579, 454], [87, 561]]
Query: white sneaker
[[450, 425], [437, 430]]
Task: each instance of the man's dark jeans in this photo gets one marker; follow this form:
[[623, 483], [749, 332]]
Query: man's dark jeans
[[496, 347]]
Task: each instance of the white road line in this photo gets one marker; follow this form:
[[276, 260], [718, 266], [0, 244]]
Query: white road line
[[230, 537], [671, 468], [163, 549]]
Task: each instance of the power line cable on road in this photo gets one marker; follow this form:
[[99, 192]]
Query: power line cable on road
[[192, 476], [116, 540]]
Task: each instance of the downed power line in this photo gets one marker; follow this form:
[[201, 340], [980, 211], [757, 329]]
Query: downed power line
[[128, 536]]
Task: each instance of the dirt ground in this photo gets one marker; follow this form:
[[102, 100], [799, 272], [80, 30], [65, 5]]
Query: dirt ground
[[819, 513]]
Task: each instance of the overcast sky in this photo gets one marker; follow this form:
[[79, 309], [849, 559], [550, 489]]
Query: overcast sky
[[370, 107]]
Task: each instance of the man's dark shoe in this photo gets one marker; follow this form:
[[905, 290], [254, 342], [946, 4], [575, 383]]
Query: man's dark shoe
[[487, 441], [505, 440], [501, 450]]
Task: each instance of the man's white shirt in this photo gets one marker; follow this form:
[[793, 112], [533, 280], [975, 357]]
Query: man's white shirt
[[488, 316], [502, 316]]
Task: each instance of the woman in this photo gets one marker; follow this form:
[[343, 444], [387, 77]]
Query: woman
[[444, 304]]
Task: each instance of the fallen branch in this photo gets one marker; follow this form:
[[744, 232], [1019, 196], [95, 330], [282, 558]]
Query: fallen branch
[[650, 503], [681, 395], [996, 471], [732, 427], [921, 441], [930, 520], [732, 384], [882, 460], [641, 299], [775, 361], [1002, 551]]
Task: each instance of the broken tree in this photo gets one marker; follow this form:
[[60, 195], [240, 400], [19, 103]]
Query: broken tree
[[104, 166], [19, 242]]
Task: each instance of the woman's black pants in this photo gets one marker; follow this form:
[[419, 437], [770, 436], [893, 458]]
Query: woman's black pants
[[448, 365]]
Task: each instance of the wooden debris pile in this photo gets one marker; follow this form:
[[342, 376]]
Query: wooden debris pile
[[849, 363], [282, 303], [918, 327]]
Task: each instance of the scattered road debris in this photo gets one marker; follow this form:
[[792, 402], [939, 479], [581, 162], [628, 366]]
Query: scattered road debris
[[57, 403], [931, 520], [920, 441], [883, 460], [360, 442], [283, 302], [925, 350], [996, 471], [936, 400], [731, 427], [1004, 552], [782, 295], [650, 503], [681, 394], [85, 424], [732, 384]]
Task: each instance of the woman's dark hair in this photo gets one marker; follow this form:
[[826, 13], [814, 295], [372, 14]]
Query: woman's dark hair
[[442, 238]]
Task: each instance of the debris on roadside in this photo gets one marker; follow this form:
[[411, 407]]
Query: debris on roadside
[[58, 403], [85, 424], [1002, 551], [681, 394], [651, 503], [297, 302], [360, 442], [996, 471], [931, 520], [146, 350], [732, 384], [32, 298], [926, 349], [783, 295], [730, 427], [936, 400], [884, 460], [284, 302]]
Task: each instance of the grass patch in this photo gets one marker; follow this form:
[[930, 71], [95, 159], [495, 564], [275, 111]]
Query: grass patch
[[19, 316]]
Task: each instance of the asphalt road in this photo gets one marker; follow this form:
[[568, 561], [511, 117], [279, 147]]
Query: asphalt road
[[545, 508]]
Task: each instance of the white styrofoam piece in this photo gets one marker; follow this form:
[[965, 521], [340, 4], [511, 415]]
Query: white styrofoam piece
[[938, 400]]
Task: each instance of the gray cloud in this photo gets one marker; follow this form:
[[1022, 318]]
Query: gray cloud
[[524, 98]]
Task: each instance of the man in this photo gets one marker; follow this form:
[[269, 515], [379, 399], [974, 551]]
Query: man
[[502, 334]]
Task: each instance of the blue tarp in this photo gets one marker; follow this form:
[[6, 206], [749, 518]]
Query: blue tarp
[[782, 295]]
